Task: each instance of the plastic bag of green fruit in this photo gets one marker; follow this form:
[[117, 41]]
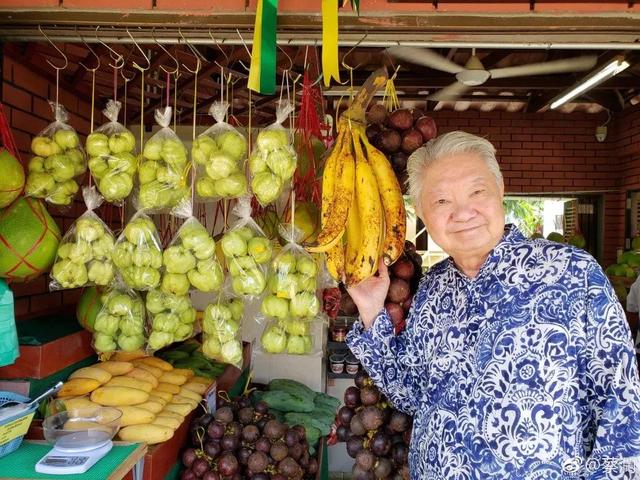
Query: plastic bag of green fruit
[[171, 318], [290, 335], [164, 169], [219, 154], [292, 284], [247, 252], [273, 160], [190, 260], [120, 323], [112, 156], [84, 253], [221, 327], [137, 254], [58, 161]]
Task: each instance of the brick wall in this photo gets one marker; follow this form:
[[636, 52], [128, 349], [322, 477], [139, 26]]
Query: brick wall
[[556, 153], [25, 96]]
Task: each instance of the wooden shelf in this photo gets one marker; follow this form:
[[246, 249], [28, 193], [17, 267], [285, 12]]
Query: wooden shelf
[[330, 375]]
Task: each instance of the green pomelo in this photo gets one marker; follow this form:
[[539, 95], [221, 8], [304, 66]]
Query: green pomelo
[[577, 240], [28, 238], [11, 178], [555, 237], [88, 307]]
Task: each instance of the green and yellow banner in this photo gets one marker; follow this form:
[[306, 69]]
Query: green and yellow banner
[[262, 75]]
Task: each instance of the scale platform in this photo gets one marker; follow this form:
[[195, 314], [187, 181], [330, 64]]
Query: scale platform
[[63, 460]]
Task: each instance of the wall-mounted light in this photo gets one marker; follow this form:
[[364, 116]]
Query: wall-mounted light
[[595, 78]]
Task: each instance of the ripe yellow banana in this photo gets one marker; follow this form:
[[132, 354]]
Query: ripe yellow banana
[[335, 262], [367, 199], [395, 217], [338, 208], [353, 238], [334, 255]]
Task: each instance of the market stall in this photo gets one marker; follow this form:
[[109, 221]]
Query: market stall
[[186, 199]]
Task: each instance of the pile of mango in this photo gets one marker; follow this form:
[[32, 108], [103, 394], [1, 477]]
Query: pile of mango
[[153, 396]]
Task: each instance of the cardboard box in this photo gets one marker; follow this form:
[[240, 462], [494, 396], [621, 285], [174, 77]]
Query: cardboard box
[[48, 345], [307, 369]]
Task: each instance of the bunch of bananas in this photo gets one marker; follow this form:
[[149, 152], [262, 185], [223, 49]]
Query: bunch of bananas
[[363, 215]]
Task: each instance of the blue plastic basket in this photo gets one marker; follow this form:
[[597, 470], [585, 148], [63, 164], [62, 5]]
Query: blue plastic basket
[[13, 442]]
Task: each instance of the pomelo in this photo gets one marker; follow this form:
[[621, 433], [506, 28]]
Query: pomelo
[[635, 243], [555, 237], [11, 178], [88, 307], [28, 240], [307, 219], [577, 240]]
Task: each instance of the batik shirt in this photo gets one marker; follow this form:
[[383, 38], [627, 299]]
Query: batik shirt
[[526, 371]]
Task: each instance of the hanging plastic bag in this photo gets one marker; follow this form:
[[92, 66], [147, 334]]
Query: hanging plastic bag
[[112, 160], [273, 160], [138, 254], [293, 282], [120, 323], [247, 252], [163, 172], [190, 260], [222, 330], [171, 319], [290, 335], [84, 253], [220, 153], [58, 161]]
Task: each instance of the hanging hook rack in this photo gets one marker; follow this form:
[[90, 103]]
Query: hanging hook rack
[[289, 69], [115, 56], [244, 44], [124, 61], [146, 58], [226, 57], [98, 63], [198, 56], [344, 58], [51, 64], [175, 60]]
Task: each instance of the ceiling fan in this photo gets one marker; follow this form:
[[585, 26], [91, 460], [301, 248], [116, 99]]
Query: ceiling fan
[[474, 73]]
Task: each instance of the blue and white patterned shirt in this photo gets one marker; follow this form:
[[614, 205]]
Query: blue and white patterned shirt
[[526, 371]]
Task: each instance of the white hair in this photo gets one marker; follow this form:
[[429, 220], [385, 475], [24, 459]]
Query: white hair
[[452, 143]]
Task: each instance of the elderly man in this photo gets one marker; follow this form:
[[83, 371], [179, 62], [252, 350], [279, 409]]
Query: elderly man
[[517, 361]]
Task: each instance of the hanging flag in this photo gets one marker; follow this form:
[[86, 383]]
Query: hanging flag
[[330, 67], [262, 74]]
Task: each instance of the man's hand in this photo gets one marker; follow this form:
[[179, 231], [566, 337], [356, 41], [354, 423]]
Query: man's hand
[[369, 296]]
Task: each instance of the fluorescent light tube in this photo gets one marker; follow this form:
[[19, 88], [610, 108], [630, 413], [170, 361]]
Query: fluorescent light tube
[[610, 70]]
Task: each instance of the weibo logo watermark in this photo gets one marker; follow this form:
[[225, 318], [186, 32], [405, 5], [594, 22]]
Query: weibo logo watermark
[[577, 465]]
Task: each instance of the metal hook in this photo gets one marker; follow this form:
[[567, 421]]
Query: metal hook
[[165, 69], [288, 58], [244, 44], [119, 59], [320, 74], [198, 56], [66, 60], [215, 41], [344, 58], [92, 52], [124, 61], [135, 64]]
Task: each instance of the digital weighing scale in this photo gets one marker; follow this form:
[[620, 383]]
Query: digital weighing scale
[[75, 453]]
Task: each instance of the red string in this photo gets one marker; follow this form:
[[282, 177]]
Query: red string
[[7, 136]]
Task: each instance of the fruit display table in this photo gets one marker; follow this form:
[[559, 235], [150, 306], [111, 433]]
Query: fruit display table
[[123, 459]]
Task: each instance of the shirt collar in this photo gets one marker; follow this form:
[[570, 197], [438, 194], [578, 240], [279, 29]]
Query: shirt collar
[[511, 236]]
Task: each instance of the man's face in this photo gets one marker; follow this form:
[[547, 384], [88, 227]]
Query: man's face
[[461, 205]]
